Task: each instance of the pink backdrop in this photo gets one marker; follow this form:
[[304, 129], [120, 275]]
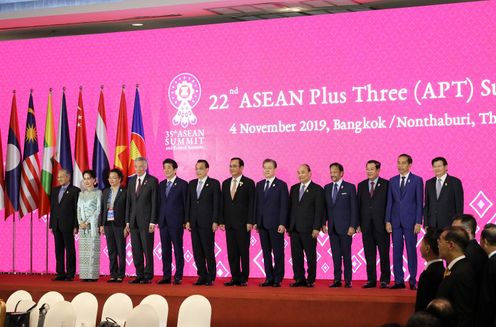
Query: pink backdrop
[[393, 49]]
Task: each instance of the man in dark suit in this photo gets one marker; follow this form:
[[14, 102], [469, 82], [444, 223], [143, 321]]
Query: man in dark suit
[[112, 223], [372, 201], [487, 293], [141, 216], [64, 225], [341, 216], [432, 276], [306, 203], [238, 218], [171, 220], [443, 196], [474, 253], [202, 219], [459, 283], [272, 200], [404, 219]]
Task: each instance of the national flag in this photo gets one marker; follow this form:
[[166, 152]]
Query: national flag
[[81, 148], [63, 158], [13, 165], [48, 158], [2, 180], [121, 155], [30, 171], [137, 144], [100, 146]]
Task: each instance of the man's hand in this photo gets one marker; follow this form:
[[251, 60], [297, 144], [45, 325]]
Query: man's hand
[[188, 226], [75, 231], [151, 228], [417, 228], [358, 230], [249, 227], [102, 230], [389, 228], [215, 226], [222, 227], [315, 233], [281, 229], [351, 231]]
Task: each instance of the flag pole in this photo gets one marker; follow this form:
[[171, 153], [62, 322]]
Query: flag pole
[[31, 244], [13, 242], [46, 239]]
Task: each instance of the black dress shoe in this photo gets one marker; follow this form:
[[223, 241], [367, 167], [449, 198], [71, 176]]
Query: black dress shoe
[[336, 284], [58, 278], [177, 282], [209, 283], [347, 285], [112, 280], [164, 281], [384, 285], [369, 285], [230, 283], [397, 286], [276, 284], [69, 279], [266, 283], [118, 280], [310, 284], [242, 284], [199, 282], [135, 281], [298, 283], [413, 287], [146, 281]]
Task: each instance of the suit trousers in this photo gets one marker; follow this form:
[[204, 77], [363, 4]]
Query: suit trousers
[[238, 253], [302, 243], [203, 241], [65, 254], [172, 237], [142, 243], [341, 254], [401, 236], [116, 246], [372, 239], [272, 242]]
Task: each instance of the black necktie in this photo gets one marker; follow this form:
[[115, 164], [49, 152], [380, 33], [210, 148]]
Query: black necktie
[[402, 185], [138, 189], [266, 189]]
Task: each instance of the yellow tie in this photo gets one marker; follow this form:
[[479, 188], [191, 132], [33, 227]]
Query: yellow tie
[[233, 188]]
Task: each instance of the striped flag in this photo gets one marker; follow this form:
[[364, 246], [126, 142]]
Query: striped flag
[[13, 165], [100, 146], [81, 150], [63, 158], [137, 144], [2, 180], [48, 158], [121, 155], [30, 171]]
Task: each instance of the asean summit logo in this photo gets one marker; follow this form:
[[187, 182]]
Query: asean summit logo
[[184, 95]]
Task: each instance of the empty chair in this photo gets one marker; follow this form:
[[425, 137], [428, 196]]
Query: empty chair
[[118, 306], [195, 311], [16, 297], [50, 298], [61, 314], [159, 303], [87, 308], [144, 315]]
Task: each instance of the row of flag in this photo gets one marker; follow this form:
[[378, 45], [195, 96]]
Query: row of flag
[[24, 187]]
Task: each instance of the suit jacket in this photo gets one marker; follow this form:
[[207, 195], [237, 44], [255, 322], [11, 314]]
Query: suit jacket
[[344, 212], [172, 212], [308, 214], [372, 209], [428, 285], [441, 211], [238, 212], [63, 215], [272, 210], [487, 295], [476, 256], [119, 207], [460, 288], [405, 209], [142, 208], [203, 211]]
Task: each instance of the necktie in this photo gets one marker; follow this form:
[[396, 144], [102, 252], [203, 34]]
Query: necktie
[[334, 192], [371, 189], [439, 186], [61, 192], [234, 185], [447, 272], [302, 191], [199, 189], [266, 189], [168, 188], [402, 185], [138, 189]]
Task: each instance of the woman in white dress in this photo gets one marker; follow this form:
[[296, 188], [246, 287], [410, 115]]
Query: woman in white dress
[[88, 212]]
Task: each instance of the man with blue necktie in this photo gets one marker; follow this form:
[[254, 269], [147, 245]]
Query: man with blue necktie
[[404, 219]]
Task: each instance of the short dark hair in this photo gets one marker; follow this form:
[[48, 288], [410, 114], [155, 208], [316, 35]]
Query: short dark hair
[[241, 162], [307, 166], [203, 161], [445, 162], [270, 160], [171, 162], [374, 162], [118, 172], [443, 310], [423, 319], [468, 221], [457, 235], [431, 237], [90, 172], [407, 156], [489, 234], [338, 165]]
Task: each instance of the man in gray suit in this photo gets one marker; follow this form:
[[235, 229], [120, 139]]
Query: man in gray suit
[[141, 217]]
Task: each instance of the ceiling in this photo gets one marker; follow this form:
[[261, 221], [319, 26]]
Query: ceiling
[[20, 19]]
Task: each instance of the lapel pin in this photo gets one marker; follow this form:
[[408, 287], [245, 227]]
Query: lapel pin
[[273, 185], [240, 183], [378, 185], [175, 184], [445, 184], [206, 185], [306, 190]]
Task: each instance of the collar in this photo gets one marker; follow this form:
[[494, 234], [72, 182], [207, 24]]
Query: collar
[[306, 184], [237, 179], [427, 264], [270, 180], [142, 177], [452, 263], [376, 180], [407, 175], [338, 183], [173, 179], [202, 179], [491, 254], [443, 178]]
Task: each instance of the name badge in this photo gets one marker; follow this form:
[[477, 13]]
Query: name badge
[[110, 214]]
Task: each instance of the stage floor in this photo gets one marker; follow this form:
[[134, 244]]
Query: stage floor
[[246, 306]]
